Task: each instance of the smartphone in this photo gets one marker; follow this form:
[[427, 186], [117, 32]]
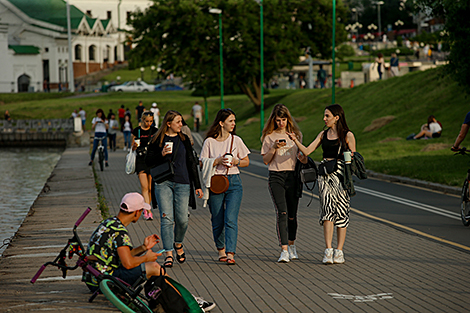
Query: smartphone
[[282, 140], [160, 251]]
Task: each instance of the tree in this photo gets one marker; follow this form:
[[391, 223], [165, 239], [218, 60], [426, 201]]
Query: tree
[[182, 36], [457, 30]]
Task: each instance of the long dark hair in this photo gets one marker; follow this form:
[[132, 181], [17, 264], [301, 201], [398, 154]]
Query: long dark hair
[[341, 126], [281, 111], [102, 113], [215, 130], [169, 117]]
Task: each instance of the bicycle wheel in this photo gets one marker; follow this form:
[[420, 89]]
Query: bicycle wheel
[[465, 204], [121, 299], [101, 158]]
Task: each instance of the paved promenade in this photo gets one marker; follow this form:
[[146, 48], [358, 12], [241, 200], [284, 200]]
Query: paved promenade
[[386, 270]]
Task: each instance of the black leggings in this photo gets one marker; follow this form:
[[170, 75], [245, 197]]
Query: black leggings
[[282, 186]]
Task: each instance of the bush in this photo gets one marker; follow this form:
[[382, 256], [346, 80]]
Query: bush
[[345, 51], [388, 52]]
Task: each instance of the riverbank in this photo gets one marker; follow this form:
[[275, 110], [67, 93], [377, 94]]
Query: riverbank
[[69, 190]]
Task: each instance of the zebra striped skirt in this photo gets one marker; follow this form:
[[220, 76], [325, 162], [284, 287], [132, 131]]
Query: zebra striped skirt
[[334, 200]]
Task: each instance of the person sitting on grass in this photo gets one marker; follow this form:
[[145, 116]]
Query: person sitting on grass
[[432, 129], [111, 247]]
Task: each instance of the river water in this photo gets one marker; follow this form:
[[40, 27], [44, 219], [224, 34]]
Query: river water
[[23, 173]]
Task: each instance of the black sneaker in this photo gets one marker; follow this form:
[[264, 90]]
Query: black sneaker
[[106, 164], [91, 163], [206, 306]]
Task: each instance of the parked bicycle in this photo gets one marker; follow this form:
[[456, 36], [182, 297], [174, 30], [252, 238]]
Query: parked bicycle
[[123, 296], [465, 195]]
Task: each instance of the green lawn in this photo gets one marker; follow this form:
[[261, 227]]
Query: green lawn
[[410, 99]]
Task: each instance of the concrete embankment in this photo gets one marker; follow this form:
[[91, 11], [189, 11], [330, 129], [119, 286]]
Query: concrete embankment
[[67, 193]]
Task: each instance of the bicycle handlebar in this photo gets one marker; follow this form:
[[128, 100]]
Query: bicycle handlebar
[[88, 210], [33, 280]]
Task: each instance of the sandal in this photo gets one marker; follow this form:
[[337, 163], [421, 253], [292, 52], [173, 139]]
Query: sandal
[[181, 258], [168, 263], [222, 257], [230, 260]]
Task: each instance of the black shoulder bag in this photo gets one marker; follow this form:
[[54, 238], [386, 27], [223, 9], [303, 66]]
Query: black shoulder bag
[[166, 170]]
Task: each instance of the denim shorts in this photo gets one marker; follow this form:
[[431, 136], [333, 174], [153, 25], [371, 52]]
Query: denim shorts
[[129, 276]]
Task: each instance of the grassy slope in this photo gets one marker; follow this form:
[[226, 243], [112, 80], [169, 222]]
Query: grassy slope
[[410, 99]]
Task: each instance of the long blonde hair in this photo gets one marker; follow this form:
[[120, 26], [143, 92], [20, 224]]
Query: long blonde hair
[[281, 111], [169, 117]]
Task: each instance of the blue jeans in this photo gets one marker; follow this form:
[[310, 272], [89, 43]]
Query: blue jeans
[[104, 142], [127, 139], [172, 199], [224, 209]]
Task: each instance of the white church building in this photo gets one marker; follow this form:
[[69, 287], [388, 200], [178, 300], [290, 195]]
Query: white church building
[[34, 47]]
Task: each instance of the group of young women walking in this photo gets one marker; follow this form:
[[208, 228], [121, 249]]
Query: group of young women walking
[[223, 153]]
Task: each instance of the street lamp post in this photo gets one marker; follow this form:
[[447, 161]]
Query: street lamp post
[[333, 54], [69, 40], [219, 12], [379, 3], [260, 2], [153, 70], [142, 69]]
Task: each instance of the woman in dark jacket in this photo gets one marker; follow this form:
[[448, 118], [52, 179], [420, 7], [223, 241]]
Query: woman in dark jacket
[[170, 144]]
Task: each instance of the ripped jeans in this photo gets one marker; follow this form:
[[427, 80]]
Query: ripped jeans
[[282, 186], [172, 199]]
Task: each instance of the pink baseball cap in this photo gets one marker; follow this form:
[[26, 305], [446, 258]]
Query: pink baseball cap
[[134, 201]]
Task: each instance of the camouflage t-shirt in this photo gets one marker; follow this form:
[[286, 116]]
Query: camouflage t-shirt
[[103, 244]]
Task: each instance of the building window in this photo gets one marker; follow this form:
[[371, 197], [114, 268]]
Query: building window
[[78, 53], [46, 49], [108, 14], [91, 53], [128, 15], [88, 12]]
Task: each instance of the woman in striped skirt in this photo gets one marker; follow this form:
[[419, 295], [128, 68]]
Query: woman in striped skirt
[[334, 199]]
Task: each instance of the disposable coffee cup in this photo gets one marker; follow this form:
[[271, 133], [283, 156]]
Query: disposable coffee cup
[[137, 142], [228, 157], [169, 144], [347, 156]]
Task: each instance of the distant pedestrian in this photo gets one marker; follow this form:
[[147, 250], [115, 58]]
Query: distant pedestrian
[[112, 130], [394, 65], [121, 113], [321, 76], [280, 154], [139, 110], [196, 113], [173, 195], [225, 152], [109, 114], [291, 81], [100, 126], [156, 114], [187, 131], [128, 112], [7, 116], [380, 64], [126, 129], [336, 142], [83, 116], [141, 136], [75, 114]]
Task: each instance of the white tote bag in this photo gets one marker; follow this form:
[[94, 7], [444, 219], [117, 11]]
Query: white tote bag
[[130, 162]]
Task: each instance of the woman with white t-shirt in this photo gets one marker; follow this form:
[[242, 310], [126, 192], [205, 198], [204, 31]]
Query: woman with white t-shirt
[[224, 207], [430, 130], [99, 125], [280, 153]]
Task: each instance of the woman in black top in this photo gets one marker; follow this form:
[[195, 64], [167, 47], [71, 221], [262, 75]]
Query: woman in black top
[[334, 199], [141, 136], [170, 144]]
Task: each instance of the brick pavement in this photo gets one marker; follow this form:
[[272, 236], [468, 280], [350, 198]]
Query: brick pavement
[[386, 269]]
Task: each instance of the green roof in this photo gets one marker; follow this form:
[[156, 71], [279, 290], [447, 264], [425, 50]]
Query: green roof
[[24, 49], [105, 23], [54, 12]]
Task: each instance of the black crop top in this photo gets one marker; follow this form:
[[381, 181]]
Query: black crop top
[[330, 147]]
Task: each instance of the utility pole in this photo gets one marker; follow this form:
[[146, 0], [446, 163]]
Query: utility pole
[[69, 39]]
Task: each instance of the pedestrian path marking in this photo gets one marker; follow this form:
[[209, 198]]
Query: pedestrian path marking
[[36, 255], [76, 277], [455, 244], [411, 203], [369, 298]]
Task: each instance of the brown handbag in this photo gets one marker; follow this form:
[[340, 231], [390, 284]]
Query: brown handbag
[[219, 182]]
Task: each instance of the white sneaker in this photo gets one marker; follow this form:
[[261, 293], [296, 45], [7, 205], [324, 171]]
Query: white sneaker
[[284, 257], [328, 258], [293, 253], [206, 306], [124, 148], [339, 257]]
